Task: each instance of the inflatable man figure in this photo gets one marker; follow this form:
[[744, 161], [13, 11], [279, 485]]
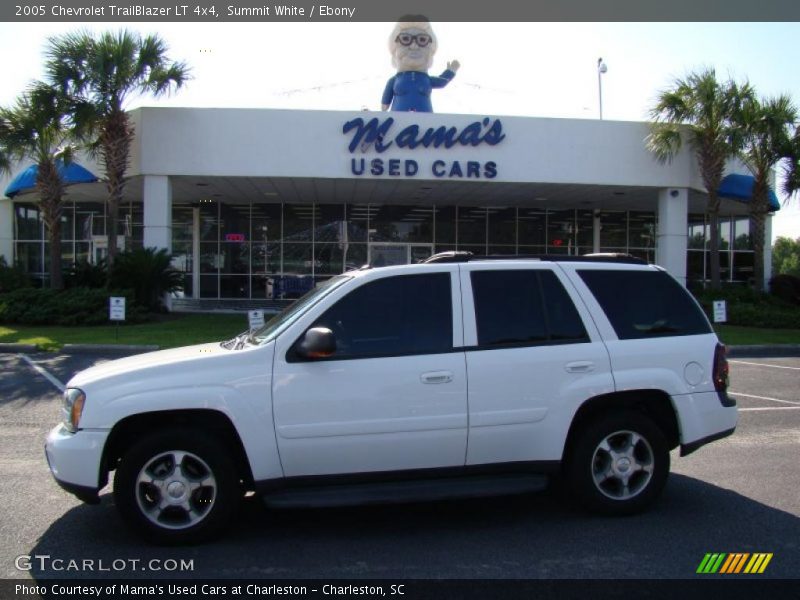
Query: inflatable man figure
[[412, 45]]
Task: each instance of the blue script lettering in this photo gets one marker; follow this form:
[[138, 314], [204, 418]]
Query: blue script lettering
[[376, 133]]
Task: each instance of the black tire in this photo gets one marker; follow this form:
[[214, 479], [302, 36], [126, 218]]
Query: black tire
[[205, 462], [635, 454]]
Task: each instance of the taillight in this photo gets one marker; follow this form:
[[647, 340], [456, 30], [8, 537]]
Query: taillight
[[720, 376]]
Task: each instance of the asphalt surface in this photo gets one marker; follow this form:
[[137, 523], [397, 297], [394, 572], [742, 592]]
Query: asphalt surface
[[736, 495]]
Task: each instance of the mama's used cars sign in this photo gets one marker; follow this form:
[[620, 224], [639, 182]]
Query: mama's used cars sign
[[381, 136]]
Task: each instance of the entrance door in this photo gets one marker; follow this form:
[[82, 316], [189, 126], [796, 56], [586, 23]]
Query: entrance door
[[384, 255]]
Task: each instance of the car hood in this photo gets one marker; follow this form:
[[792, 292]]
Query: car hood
[[141, 362]]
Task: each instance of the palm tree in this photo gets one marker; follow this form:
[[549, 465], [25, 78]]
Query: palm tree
[[765, 128], [699, 108], [36, 128], [100, 74], [791, 169]]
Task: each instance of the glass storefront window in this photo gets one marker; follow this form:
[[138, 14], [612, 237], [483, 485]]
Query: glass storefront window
[[355, 256], [560, 231], [584, 231], [358, 217], [210, 258], [724, 234], [742, 234], [613, 231], [182, 219], [235, 257], [328, 259], [298, 222], [402, 224], [532, 227], [697, 231], [297, 258], [28, 256], [641, 230], [471, 228], [330, 224], [209, 222], [502, 226], [28, 221], [446, 225], [234, 286]]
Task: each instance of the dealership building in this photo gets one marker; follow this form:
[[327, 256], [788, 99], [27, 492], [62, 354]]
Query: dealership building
[[259, 204]]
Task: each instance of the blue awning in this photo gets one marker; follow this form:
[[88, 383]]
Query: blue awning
[[25, 181], [740, 187]]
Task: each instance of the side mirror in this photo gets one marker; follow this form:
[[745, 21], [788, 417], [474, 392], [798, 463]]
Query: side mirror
[[318, 342]]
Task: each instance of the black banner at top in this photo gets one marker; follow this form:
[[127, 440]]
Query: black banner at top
[[375, 10]]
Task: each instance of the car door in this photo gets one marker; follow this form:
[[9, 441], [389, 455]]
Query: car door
[[533, 356], [393, 396]]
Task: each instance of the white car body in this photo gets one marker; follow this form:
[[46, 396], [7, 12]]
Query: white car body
[[468, 407]]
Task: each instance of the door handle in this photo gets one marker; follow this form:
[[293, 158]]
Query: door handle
[[581, 366], [437, 377]]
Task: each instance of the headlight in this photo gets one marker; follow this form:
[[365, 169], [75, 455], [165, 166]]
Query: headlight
[[73, 407]]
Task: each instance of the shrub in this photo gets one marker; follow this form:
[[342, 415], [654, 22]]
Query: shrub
[[786, 287], [751, 308], [87, 275], [76, 306], [148, 273], [12, 278]]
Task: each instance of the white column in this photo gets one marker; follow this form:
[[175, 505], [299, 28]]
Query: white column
[[673, 233], [157, 212], [7, 230], [767, 252]]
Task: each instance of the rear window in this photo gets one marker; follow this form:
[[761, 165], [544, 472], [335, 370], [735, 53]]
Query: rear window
[[644, 304], [524, 308]]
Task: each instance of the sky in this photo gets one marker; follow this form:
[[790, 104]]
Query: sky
[[524, 69]]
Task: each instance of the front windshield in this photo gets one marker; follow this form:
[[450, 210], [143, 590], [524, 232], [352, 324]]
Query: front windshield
[[282, 320]]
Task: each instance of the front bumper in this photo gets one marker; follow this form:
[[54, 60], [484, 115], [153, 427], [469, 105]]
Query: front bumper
[[74, 460]]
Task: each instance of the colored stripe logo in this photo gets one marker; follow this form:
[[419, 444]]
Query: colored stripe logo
[[734, 563]]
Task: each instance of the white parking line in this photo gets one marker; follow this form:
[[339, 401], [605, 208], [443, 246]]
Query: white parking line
[[763, 398], [743, 362], [59, 386], [765, 408]]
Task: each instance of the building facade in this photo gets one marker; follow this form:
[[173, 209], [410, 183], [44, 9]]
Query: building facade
[[262, 204]]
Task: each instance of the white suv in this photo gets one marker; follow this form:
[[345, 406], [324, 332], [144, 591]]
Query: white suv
[[462, 376]]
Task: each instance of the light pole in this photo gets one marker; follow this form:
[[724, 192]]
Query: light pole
[[601, 68]]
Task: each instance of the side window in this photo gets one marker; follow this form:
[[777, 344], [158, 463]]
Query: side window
[[407, 314], [643, 304], [524, 308]]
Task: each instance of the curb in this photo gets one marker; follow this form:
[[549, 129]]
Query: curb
[[764, 351], [78, 348]]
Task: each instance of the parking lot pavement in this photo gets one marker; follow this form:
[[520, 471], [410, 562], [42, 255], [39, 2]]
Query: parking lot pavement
[[736, 495]]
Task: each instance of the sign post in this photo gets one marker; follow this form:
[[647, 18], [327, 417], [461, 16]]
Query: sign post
[[116, 312], [720, 311], [255, 318]]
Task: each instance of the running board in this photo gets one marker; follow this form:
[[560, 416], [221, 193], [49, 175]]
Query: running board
[[404, 491]]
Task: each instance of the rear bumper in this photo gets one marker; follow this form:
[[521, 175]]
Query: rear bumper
[[687, 449], [74, 461], [703, 418]]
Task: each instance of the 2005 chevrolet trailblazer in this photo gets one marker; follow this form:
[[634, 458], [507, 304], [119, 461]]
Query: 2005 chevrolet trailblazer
[[462, 376]]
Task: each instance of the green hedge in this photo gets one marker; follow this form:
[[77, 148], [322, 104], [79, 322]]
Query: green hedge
[[750, 308], [77, 306]]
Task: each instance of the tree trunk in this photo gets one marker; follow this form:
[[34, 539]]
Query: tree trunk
[[115, 143], [759, 207], [713, 245], [54, 238], [51, 189]]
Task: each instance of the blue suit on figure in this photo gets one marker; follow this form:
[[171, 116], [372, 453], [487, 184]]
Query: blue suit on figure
[[412, 45], [411, 90]]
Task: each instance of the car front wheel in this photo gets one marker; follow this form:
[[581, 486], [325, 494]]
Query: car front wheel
[[176, 487], [619, 464]]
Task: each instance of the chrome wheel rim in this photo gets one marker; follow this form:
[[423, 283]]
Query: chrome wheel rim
[[176, 489], [622, 465]]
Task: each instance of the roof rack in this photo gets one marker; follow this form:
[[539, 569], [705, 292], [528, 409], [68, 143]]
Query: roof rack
[[462, 256]]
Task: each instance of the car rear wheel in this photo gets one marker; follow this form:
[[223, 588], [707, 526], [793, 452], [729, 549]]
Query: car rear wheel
[[176, 487], [619, 464]]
